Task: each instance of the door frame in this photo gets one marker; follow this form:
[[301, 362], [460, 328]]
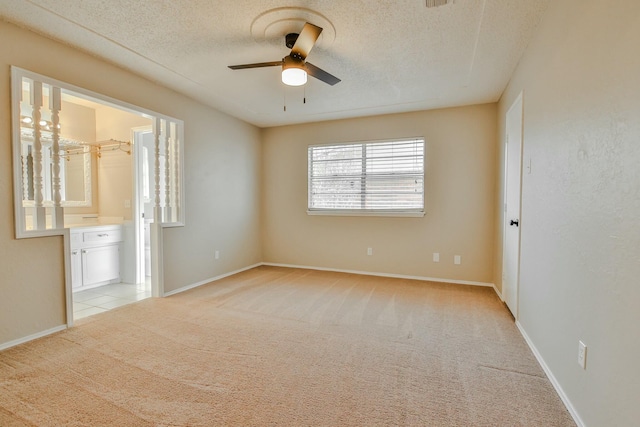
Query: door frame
[[517, 107], [136, 137]]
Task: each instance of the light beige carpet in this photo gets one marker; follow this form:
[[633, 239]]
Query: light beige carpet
[[287, 347]]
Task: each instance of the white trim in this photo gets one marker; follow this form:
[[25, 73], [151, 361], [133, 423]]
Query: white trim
[[495, 288], [17, 74], [137, 133], [364, 212], [157, 259], [212, 279], [518, 101], [16, 96], [369, 141], [32, 337], [363, 176], [68, 286], [337, 270], [373, 273], [572, 411]]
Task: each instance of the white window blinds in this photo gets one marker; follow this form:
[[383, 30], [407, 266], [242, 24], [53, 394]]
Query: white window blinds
[[381, 176]]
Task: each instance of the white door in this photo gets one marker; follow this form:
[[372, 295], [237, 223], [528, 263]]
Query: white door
[[513, 183]]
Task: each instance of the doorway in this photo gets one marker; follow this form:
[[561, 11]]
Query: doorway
[[512, 205], [144, 144], [118, 219]]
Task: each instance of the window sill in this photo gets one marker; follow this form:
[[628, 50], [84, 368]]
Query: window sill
[[397, 214]]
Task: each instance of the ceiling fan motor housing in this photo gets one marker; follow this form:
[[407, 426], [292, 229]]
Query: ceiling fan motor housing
[[292, 61], [290, 39]]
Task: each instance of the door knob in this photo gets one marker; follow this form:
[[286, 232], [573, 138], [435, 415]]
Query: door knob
[[514, 222]]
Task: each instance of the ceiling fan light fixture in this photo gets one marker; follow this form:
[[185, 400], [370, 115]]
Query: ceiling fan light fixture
[[295, 69], [293, 75]]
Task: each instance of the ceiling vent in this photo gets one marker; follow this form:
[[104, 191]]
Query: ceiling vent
[[436, 3]]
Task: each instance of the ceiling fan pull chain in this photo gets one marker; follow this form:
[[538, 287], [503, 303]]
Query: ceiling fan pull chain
[[304, 97], [284, 99]]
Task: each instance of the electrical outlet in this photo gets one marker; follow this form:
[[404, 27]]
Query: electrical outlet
[[436, 257], [457, 260], [217, 255], [127, 203], [369, 251], [582, 355]]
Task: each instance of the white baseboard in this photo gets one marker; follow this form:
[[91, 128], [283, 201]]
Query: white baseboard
[[495, 288], [337, 270], [231, 273], [212, 279], [552, 378], [32, 337], [396, 276]]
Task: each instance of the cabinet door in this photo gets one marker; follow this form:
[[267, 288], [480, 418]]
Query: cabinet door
[[76, 269], [101, 264]]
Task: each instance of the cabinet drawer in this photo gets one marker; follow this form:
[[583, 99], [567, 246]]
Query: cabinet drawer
[[102, 236]]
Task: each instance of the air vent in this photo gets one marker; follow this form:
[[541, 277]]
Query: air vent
[[436, 3]]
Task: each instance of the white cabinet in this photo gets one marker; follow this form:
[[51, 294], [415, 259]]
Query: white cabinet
[[76, 269], [95, 256], [101, 264]]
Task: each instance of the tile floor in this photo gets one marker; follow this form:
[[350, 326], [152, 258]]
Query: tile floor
[[104, 298]]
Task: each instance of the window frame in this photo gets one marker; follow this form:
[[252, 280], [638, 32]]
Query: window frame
[[399, 212]]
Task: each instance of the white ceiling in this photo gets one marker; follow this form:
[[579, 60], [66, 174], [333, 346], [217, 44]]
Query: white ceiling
[[392, 56]]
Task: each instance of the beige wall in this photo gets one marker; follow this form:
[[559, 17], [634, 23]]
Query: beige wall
[[223, 201], [221, 172], [115, 185], [581, 202], [115, 168], [580, 222], [77, 122], [459, 187], [112, 123]]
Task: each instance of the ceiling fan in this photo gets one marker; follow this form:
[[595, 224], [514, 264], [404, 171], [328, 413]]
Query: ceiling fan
[[294, 66]]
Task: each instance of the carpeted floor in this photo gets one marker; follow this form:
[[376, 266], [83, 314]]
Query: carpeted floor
[[286, 347]]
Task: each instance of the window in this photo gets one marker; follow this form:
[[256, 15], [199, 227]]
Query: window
[[367, 178]]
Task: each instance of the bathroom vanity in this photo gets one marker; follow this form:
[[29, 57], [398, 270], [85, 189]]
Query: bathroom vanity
[[95, 255]]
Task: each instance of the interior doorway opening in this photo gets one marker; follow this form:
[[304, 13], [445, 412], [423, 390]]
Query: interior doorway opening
[[116, 273]]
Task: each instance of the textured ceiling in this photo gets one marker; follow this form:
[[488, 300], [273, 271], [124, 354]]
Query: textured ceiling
[[392, 56]]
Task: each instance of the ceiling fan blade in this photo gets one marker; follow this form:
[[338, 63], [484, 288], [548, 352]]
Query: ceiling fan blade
[[306, 40], [320, 74], [256, 65]]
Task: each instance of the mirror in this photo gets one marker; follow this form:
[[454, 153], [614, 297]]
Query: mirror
[[75, 170]]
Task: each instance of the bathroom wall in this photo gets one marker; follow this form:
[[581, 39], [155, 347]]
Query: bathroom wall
[[115, 165]]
